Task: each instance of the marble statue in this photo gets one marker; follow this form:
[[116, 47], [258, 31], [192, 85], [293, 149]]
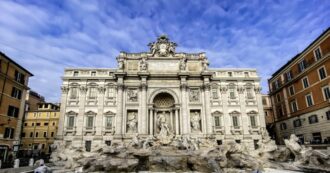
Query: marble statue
[[195, 122], [165, 133], [183, 64], [143, 64], [132, 122], [205, 64], [120, 64]]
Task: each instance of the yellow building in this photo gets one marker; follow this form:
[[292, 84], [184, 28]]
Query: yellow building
[[40, 129], [13, 86]]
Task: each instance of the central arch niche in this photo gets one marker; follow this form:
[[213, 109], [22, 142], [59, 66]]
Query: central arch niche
[[165, 115]]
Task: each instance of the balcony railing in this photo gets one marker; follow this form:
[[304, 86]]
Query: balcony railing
[[70, 130], [218, 129], [236, 129]]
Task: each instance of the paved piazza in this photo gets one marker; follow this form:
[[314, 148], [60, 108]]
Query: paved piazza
[[160, 93]]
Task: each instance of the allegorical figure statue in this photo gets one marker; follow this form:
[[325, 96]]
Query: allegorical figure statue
[[195, 122], [132, 123], [205, 64], [183, 64], [120, 64], [164, 129], [143, 64], [153, 48]]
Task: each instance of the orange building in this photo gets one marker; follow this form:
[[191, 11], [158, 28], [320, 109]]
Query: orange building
[[13, 87], [300, 94]]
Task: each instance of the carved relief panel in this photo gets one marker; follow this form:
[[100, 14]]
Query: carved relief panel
[[194, 95], [132, 94]]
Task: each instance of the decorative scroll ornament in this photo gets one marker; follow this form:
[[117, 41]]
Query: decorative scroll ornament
[[83, 89], [101, 90], [223, 89], [240, 90], [162, 47], [65, 89]]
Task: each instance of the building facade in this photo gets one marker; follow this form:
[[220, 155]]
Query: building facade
[[300, 93], [13, 87], [160, 93], [40, 128]]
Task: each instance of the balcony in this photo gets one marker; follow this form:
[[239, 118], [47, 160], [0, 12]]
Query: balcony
[[71, 130], [219, 129], [236, 130], [106, 130], [91, 130], [254, 129]]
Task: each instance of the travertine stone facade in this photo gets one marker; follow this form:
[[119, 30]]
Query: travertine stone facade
[[160, 93]]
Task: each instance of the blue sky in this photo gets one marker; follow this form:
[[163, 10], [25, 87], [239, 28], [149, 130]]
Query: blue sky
[[47, 36]]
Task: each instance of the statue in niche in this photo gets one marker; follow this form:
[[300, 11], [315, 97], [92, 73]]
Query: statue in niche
[[143, 64], [165, 133], [194, 95], [195, 122], [205, 64], [132, 122], [132, 95], [120, 64], [183, 64]]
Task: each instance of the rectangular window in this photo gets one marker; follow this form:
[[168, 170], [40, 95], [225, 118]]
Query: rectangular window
[[23, 135], [291, 90], [322, 73], [74, 93], [16, 93], [230, 74], [93, 73], [71, 121], [45, 124], [19, 77], [37, 134], [305, 82], [217, 121], [7, 132], [92, 92], [111, 92], [31, 134], [309, 100], [214, 93], [276, 84], [297, 123], [90, 122], [52, 134], [88, 146], [326, 93], [278, 97], [317, 54], [108, 143], [232, 93], [313, 119], [249, 93], [235, 121], [246, 74], [108, 122], [75, 73], [37, 124], [253, 121], [45, 134], [288, 76], [283, 126], [13, 111], [328, 115], [302, 65], [294, 107]]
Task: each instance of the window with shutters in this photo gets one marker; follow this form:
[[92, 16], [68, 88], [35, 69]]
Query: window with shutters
[[305, 82], [326, 93], [297, 123], [19, 77], [322, 73], [309, 100], [291, 90], [13, 111], [302, 65], [317, 54], [294, 106], [16, 93]]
